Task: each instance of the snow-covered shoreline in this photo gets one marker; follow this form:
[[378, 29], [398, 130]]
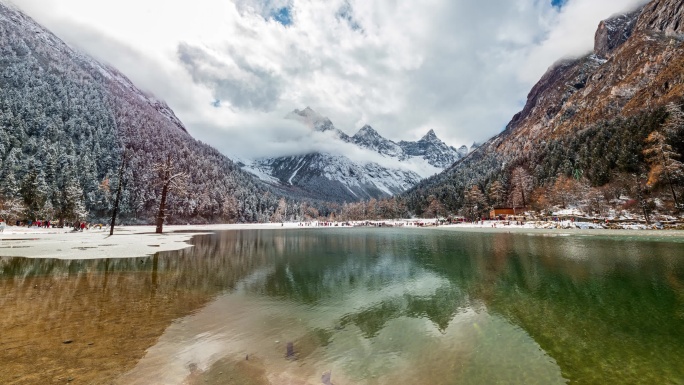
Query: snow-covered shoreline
[[127, 241], [140, 241]]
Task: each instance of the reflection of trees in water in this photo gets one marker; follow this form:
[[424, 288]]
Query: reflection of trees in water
[[593, 308], [589, 303], [111, 310]]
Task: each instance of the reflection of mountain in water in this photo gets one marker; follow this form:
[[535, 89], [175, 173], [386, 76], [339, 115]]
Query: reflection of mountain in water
[[376, 280], [588, 302]]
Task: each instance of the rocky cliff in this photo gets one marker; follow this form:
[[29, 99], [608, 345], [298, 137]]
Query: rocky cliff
[[636, 68], [637, 64]]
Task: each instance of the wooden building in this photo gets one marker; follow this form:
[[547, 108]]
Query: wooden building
[[502, 212]]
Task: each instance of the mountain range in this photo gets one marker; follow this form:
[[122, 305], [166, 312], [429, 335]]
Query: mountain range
[[67, 120], [365, 165]]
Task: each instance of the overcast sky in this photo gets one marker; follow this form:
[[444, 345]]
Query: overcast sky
[[232, 69]]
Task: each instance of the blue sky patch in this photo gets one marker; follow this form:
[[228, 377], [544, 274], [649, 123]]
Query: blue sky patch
[[282, 16], [559, 3]]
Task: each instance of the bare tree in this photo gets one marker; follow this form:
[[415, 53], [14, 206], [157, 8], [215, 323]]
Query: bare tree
[[169, 180], [664, 165], [641, 191], [566, 191], [119, 188], [435, 207], [595, 201], [521, 186]]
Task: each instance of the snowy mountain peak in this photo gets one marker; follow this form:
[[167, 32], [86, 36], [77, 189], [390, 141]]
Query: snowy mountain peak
[[306, 115], [313, 119], [431, 136], [366, 132], [463, 151], [367, 137], [335, 176], [431, 148]]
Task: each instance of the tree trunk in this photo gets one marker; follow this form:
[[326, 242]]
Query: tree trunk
[[162, 208], [674, 195], [642, 200], [118, 194]]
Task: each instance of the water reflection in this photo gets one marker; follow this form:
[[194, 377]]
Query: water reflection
[[375, 306]]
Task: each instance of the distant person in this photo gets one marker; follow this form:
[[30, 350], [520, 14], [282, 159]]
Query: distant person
[[2, 226], [83, 226]]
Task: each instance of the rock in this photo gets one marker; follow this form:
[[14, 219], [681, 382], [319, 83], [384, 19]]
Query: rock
[[613, 32], [67, 341], [326, 378], [290, 351], [662, 16]]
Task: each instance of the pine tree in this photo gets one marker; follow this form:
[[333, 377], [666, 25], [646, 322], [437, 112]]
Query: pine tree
[[280, 213], [34, 192], [475, 202], [497, 193], [72, 202]]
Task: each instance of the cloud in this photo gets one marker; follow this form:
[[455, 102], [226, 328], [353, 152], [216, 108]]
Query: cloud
[[244, 85], [568, 36], [233, 69]]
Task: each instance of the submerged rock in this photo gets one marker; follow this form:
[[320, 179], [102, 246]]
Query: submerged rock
[[290, 351], [326, 378]]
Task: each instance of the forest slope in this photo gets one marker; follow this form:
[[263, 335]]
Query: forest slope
[[65, 121]]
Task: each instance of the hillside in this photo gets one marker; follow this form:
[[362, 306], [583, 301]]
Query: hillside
[[586, 120], [66, 120]]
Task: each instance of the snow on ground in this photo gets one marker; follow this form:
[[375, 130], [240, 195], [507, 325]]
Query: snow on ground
[[139, 241], [127, 241]]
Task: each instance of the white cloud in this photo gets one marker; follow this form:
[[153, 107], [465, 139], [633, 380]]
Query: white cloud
[[460, 67]]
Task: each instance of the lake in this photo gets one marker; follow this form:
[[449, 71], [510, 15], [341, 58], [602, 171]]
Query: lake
[[352, 306]]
